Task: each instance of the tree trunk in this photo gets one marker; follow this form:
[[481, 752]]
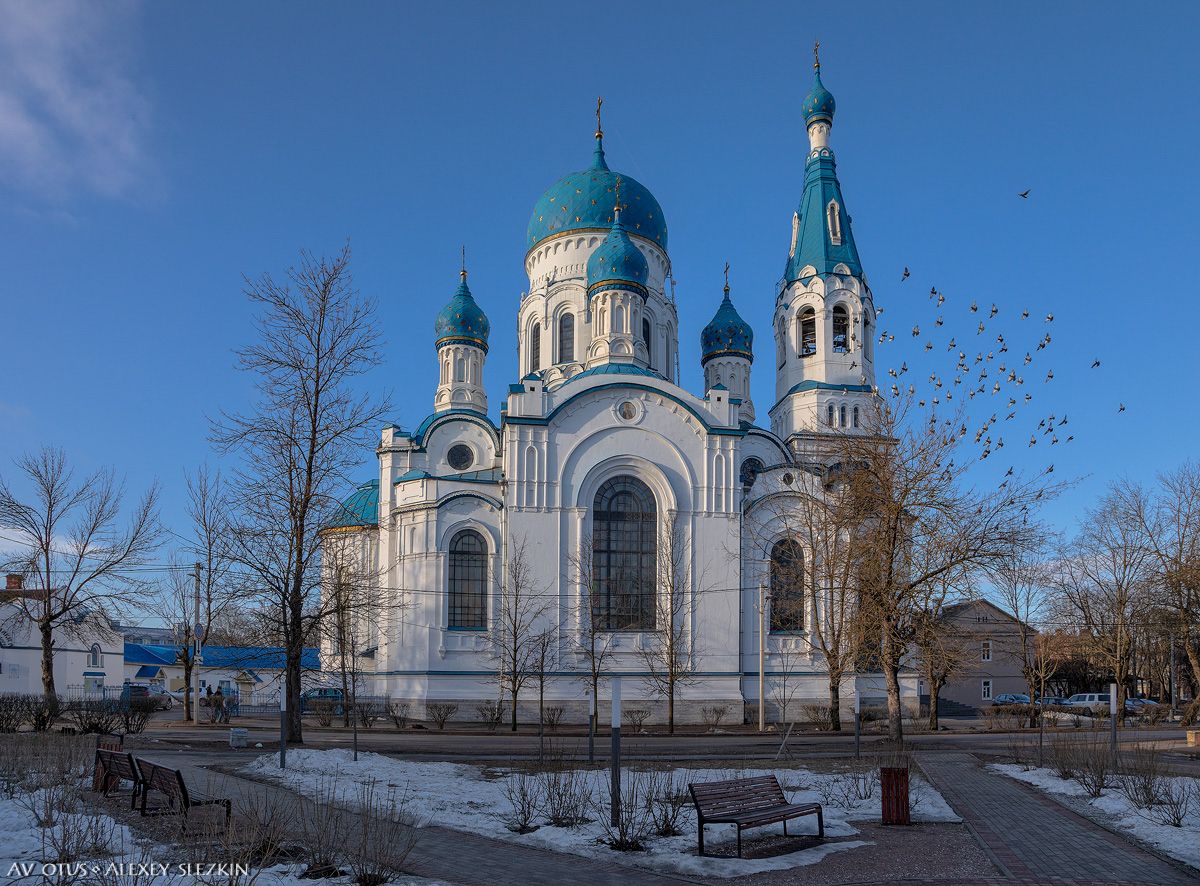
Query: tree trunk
[[346, 700], [295, 728], [47, 631], [516, 690], [835, 702], [891, 673], [187, 685], [935, 690], [670, 707], [1193, 655]]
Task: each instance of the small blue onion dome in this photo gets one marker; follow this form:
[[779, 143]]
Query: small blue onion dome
[[462, 321], [819, 103], [617, 263], [584, 200], [727, 334]]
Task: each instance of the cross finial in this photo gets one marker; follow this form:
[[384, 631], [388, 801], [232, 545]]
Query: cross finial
[[617, 206], [599, 128], [463, 273], [817, 55], [727, 278]]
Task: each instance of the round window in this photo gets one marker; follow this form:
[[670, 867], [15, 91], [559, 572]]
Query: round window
[[788, 479], [627, 410], [460, 457]]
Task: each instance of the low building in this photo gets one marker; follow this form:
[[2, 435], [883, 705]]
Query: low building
[[247, 670], [992, 638]]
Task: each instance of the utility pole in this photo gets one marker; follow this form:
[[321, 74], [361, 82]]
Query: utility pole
[[1172, 672], [196, 647], [762, 657]]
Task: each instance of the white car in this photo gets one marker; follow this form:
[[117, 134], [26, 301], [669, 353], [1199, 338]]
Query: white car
[[1089, 703]]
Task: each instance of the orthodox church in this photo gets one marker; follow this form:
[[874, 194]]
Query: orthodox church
[[609, 482]]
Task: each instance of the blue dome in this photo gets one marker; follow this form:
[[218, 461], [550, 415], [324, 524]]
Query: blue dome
[[819, 103], [584, 200], [617, 263], [360, 510], [727, 334], [462, 320]]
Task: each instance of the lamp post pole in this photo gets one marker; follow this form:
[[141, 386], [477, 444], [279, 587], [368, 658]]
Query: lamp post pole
[[196, 647], [616, 751], [762, 657], [282, 725]]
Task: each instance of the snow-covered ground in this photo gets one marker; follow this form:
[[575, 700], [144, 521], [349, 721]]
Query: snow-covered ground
[[1114, 808], [468, 798]]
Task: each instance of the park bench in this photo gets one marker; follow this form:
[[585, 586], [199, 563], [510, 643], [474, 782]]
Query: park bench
[[107, 742], [180, 801], [115, 767], [747, 803]]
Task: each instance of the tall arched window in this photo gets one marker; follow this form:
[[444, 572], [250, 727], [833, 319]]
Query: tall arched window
[[646, 341], [95, 657], [841, 329], [624, 556], [468, 582], [833, 217], [566, 338], [842, 415], [855, 416], [829, 415], [535, 347], [787, 586], [808, 332]]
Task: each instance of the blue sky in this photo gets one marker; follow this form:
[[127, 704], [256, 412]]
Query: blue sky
[[150, 155]]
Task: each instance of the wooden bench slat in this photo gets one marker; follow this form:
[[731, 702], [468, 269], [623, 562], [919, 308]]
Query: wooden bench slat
[[747, 802], [170, 783]]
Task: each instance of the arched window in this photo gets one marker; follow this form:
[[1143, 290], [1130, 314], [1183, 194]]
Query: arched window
[[535, 347], [787, 586], [841, 329], [751, 468], [624, 556], [468, 582], [95, 657], [646, 339], [868, 345], [808, 332], [842, 415], [566, 338], [855, 414], [829, 415], [833, 217]]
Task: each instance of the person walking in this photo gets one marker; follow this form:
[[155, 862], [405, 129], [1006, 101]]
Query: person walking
[[218, 701]]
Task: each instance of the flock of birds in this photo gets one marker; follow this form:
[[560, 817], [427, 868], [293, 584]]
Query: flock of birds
[[983, 368]]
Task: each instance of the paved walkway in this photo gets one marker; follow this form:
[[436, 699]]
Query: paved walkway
[[440, 853], [1034, 839]]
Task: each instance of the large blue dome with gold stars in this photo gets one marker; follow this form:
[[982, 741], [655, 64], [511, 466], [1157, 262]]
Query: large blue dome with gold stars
[[462, 320], [727, 334], [617, 263], [584, 201], [819, 103]]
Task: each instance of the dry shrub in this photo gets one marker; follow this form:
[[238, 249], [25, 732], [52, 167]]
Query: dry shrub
[[524, 799], [1064, 757], [369, 712], [563, 796], [323, 826], [322, 709], [381, 835], [634, 824], [491, 713], [637, 717], [94, 715], [1176, 798], [666, 797], [14, 711], [134, 714], [79, 836], [712, 715], [1142, 781], [817, 715], [1094, 764], [398, 711], [552, 716], [440, 712]]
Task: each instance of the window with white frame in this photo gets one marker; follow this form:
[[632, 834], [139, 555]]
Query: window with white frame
[[95, 657], [833, 218], [985, 650], [987, 690]]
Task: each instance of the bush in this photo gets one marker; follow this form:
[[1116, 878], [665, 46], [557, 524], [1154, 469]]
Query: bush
[[713, 715], [94, 715], [563, 796], [14, 711], [41, 711], [491, 713], [323, 709], [398, 711], [369, 711], [1176, 797], [440, 712], [552, 716], [1094, 765], [1142, 782], [666, 797], [637, 717], [817, 715], [521, 789], [135, 714], [634, 823], [381, 836], [1064, 758], [323, 826]]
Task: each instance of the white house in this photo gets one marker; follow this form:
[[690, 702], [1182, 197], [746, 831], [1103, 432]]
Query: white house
[[598, 455]]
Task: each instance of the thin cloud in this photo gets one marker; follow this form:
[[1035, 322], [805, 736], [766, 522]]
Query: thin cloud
[[72, 119]]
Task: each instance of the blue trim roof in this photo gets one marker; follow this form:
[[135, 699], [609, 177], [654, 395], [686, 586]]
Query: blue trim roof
[[147, 672], [244, 657], [617, 263], [612, 369], [487, 476], [418, 436], [360, 509]]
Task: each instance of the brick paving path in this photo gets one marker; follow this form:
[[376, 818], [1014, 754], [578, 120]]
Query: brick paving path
[[440, 853], [1034, 839]]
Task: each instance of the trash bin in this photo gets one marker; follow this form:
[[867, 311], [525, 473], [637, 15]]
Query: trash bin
[[893, 782], [237, 738]]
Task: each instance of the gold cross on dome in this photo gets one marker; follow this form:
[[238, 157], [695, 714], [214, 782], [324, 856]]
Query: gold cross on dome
[[599, 128], [817, 55], [726, 278]]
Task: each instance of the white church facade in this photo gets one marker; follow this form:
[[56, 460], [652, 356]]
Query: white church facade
[[600, 462]]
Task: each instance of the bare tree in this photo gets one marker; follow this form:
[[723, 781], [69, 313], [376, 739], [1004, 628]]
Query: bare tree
[[517, 624], [1169, 521], [1103, 576], [918, 525], [307, 431], [592, 642], [1020, 588], [75, 559], [790, 662], [941, 651], [669, 654]]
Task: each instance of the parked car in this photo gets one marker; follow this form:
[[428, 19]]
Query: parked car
[[1089, 703], [140, 693], [324, 695], [1052, 700], [1010, 698], [164, 700], [1139, 706]]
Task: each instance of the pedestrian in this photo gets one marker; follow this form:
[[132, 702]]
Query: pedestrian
[[218, 701]]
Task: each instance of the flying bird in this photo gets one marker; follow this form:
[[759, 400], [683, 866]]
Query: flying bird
[[979, 331], [1095, 364], [1050, 375], [1049, 318], [1024, 195], [974, 307], [1010, 473], [1024, 315], [905, 275], [995, 311], [1121, 408]]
